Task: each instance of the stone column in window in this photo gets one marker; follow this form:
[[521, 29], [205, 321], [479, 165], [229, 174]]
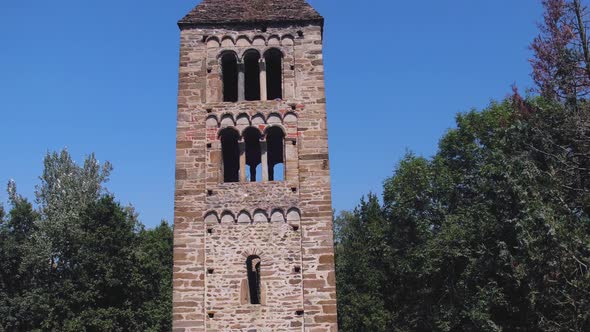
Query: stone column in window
[[242, 160], [264, 160], [241, 81], [263, 92]]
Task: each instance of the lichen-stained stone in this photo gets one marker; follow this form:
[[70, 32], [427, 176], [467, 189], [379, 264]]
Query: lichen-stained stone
[[287, 224]]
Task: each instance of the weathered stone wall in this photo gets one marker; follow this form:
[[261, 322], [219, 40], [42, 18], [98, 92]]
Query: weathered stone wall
[[227, 248], [288, 224]]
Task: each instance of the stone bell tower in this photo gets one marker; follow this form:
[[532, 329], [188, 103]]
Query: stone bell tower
[[253, 241]]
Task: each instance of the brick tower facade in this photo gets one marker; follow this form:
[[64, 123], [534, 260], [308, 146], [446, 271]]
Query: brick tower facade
[[253, 241]]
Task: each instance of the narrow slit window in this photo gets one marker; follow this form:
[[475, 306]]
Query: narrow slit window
[[252, 75], [253, 153], [275, 144], [274, 74], [230, 151], [229, 73], [253, 267]]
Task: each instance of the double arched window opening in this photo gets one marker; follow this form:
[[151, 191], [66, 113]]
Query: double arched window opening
[[255, 77], [253, 157]]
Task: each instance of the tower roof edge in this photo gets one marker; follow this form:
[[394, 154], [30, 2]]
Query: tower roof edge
[[223, 12]]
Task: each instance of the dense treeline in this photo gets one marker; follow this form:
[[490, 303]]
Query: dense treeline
[[493, 232], [81, 261]]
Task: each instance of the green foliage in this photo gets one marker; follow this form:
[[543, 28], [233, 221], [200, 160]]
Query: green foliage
[[491, 234], [360, 269], [81, 261]]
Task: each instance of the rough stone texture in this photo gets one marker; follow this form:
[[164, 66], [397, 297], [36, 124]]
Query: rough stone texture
[[240, 11], [288, 224]]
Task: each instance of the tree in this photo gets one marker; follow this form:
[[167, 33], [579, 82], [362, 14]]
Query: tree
[[359, 257], [491, 234], [15, 275], [561, 63], [155, 256], [81, 261]]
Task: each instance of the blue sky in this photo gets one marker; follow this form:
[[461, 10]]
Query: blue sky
[[101, 76]]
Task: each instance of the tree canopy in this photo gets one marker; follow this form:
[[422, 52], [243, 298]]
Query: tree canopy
[[81, 261], [490, 234]]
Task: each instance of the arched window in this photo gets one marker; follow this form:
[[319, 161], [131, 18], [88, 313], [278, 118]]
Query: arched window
[[253, 267], [229, 72], [274, 74], [275, 147], [231, 155], [252, 75], [253, 152]]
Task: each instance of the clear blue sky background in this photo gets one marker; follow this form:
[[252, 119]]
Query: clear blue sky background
[[101, 76]]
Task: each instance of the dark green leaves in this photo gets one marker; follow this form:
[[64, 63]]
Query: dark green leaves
[[490, 234], [82, 262]]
